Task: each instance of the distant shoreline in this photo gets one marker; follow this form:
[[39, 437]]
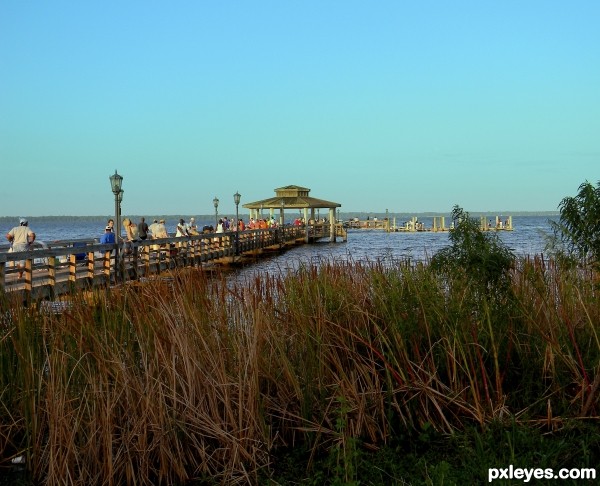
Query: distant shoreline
[[343, 215]]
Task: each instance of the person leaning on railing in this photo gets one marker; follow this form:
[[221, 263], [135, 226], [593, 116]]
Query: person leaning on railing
[[131, 239], [108, 237], [21, 238]]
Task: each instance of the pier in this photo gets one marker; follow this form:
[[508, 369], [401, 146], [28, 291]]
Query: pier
[[437, 225], [69, 265], [65, 266]]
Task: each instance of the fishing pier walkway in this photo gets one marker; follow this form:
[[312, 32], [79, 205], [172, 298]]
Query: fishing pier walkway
[[438, 224], [66, 266]]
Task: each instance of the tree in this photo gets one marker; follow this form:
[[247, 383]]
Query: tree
[[482, 257], [578, 230]]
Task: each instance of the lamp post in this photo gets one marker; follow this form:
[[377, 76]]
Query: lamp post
[[116, 182], [236, 199], [216, 203], [120, 201]]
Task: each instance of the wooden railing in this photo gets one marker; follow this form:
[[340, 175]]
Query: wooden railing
[[84, 263], [322, 230]]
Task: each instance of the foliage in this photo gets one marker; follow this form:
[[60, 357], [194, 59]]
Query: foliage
[[186, 377], [428, 458], [577, 233], [480, 256]]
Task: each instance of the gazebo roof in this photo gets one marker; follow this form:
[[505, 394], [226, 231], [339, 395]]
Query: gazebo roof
[[292, 197]]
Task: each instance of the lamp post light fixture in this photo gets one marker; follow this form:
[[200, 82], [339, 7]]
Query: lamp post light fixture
[[236, 199], [216, 203], [116, 183]]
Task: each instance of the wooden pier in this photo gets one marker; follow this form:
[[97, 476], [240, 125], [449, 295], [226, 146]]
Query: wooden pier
[[70, 265], [438, 225]]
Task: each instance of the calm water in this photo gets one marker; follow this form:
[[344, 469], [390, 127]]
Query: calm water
[[373, 245], [528, 238]]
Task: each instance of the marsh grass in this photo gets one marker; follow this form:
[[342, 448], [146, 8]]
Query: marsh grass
[[193, 378]]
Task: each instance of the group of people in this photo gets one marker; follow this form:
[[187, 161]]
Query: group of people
[[262, 223], [22, 237], [142, 231]]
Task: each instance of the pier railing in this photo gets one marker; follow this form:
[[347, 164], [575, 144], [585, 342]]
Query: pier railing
[[64, 266]]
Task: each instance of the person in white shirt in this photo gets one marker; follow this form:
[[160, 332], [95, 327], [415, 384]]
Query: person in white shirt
[[21, 238]]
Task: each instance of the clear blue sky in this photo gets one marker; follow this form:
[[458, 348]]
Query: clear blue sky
[[411, 106]]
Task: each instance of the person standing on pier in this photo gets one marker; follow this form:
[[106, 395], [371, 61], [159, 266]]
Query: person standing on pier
[[108, 237], [153, 227], [131, 239], [161, 230], [21, 238], [143, 229], [182, 229], [192, 228]]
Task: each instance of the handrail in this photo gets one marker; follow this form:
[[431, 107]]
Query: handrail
[[57, 269]]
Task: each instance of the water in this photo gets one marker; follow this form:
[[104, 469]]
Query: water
[[362, 245]]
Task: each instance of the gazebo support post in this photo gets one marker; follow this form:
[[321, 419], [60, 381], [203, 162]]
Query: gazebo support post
[[332, 225], [307, 237]]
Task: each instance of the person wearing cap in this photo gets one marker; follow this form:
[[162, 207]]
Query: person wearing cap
[[152, 228], [161, 230], [192, 228], [108, 237], [158, 230], [21, 238]]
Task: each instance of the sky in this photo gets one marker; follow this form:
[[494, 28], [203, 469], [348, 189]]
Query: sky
[[410, 106]]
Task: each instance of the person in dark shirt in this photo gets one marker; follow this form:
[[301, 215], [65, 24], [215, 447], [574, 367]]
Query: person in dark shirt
[[142, 229]]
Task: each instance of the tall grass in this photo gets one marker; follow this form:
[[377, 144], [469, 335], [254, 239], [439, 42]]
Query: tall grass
[[196, 378]]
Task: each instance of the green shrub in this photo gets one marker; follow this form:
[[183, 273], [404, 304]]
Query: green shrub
[[475, 258], [577, 233]]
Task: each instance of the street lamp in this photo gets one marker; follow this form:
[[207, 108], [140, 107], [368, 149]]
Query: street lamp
[[116, 182], [236, 199], [120, 201], [216, 203]]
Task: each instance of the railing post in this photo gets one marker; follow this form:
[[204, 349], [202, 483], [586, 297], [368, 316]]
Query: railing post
[[2, 272], [135, 262], [106, 265], [72, 268], [90, 265], [28, 274], [52, 273], [146, 259]]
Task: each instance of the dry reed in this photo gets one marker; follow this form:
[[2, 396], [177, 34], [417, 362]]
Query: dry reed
[[189, 377]]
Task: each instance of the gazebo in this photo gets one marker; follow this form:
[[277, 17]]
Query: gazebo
[[294, 198]]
